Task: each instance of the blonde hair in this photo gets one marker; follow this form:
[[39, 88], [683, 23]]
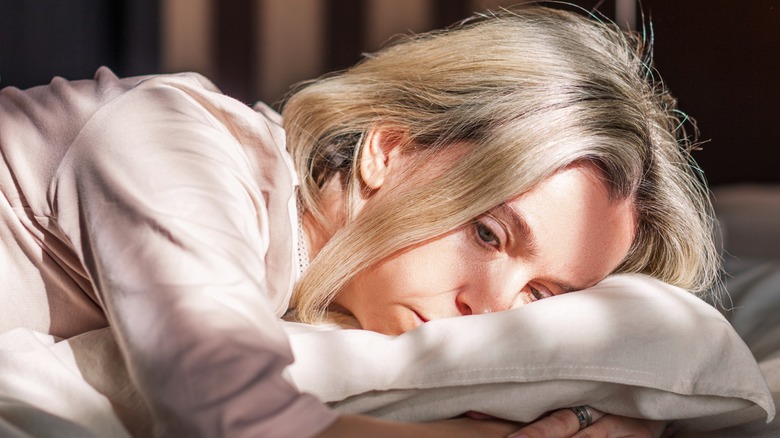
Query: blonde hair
[[531, 91]]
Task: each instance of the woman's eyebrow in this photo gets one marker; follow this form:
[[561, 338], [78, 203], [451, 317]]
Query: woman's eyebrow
[[525, 235], [528, 242]]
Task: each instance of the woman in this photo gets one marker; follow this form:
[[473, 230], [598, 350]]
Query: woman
[[508, 159]]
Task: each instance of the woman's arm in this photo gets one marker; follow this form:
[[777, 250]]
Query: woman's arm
[[169, 218], [560, 424], [355, 426], [563, 423]]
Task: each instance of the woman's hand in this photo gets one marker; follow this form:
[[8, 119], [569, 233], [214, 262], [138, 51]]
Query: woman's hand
[[563, 423]]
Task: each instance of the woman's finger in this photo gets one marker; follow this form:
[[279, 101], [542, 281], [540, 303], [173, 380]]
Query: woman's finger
[[562, 423], [615, 426]]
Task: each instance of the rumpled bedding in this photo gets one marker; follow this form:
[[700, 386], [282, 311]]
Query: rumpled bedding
[[631, 346]]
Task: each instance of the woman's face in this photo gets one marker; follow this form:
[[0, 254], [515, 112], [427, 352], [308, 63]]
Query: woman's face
[[563, 235]]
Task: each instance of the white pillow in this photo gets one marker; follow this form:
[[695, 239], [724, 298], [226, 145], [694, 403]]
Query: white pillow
[[631, 346]]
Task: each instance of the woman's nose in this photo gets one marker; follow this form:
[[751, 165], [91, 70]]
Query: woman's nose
[[488, 298]]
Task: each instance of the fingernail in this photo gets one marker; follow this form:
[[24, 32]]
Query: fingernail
[[518, 435]]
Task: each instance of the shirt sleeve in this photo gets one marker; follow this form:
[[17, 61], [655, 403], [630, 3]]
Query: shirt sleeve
[[162, 206]]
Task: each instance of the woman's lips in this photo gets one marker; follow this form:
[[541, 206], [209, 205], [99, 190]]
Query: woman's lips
[[421, 318]]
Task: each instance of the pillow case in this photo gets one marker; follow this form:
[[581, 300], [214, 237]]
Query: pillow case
[[631, 345]]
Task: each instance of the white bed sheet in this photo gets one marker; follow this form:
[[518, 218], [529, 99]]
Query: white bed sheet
[[79, 387]]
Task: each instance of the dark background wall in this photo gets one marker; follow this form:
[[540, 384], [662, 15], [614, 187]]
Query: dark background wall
[[721, 58], [40, 39]]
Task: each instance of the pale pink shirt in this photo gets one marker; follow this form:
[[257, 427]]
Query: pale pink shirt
[[164, 209]]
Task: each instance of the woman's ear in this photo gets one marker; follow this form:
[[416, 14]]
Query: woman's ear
[[381, 148]]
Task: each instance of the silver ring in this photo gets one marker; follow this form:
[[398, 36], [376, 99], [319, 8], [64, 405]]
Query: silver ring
[[584, 416]]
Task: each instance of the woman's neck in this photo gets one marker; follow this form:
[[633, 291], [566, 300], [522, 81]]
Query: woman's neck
[[317, 234]]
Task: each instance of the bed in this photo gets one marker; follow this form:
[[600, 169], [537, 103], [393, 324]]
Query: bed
[[713, 373]]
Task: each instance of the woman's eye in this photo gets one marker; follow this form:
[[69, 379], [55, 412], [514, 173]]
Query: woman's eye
[[487, 235], [539, 294]]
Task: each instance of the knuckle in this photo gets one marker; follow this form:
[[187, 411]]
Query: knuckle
[[564, 419], [565, 416], [558, 423]]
